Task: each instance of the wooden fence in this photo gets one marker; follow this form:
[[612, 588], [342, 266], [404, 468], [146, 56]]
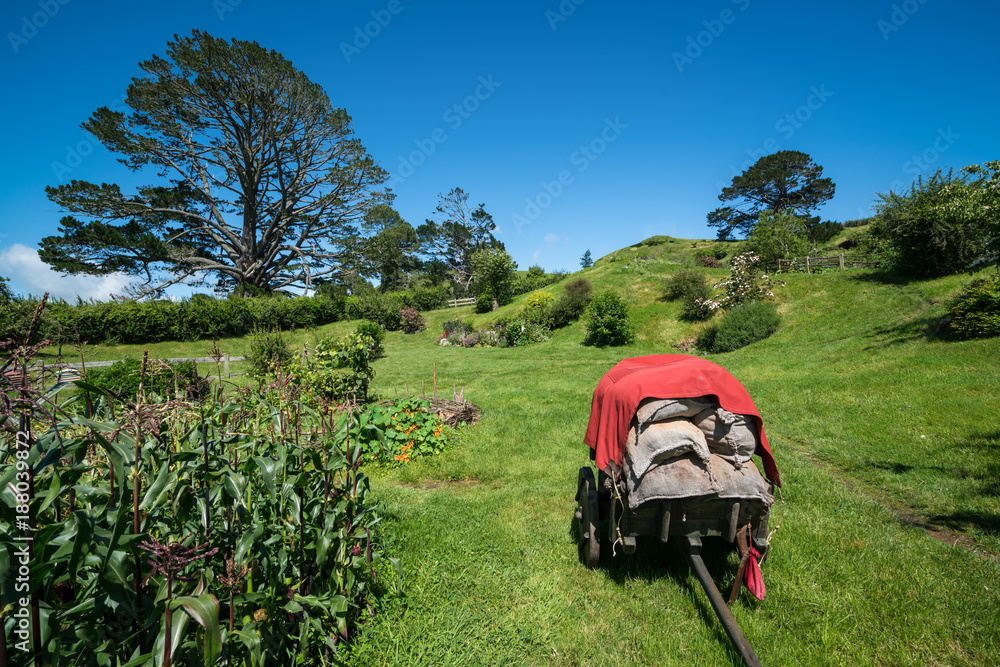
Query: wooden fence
[[455, 303], [838, 261]]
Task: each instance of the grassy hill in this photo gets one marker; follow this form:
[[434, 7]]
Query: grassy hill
[[887, 549]]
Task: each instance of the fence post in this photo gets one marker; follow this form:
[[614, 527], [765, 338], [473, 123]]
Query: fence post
[[842, 262], [807, 263], [227, 364]]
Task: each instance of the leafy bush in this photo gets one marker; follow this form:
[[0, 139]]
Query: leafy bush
[[428, 298], [936, 228], [484, 303], [381, 308], [778, 236], [684, 282], [268, 349], [608, 322], [520, 332], [412, 320], [162, 379], [691, 286], [376, 333], [572, 304], [719, 252], [338, 371], [535, 279], [744, 324], [746, 283], [975, 313], [709, 262], [493, 274], [536, 306]]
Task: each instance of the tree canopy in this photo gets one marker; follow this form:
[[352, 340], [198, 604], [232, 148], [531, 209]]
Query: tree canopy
[[458, 232], [783, 181], [389, 253], [261, 180]]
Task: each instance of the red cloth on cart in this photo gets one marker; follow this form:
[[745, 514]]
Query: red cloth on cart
[[752, 577], [663, 376]]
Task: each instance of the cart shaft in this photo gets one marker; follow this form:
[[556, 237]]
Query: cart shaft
[[691, 545]]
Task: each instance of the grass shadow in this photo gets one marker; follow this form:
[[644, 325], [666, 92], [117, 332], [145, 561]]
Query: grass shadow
[[985, 522], [654, 560]]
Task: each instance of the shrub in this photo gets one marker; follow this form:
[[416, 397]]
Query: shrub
[[937, 227], [709, 262], [536, 306], [162, 379], [975, 313], [706, 338], [608, 322], [744, 324], [376, 333], [719, 252], [572, 304], [691, 286], [684, 282], [268, 349], [381, 308], [338, 371], [429, 298], [484, 303], [746, 283], [520, 332], [412, 320]]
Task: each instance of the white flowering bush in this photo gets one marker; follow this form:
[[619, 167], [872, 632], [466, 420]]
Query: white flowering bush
[[747, 283]]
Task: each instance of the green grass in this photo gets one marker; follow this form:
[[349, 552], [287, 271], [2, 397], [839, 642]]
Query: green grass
[[869, 418]]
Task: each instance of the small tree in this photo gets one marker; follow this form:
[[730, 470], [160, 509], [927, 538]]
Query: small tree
[[586, 261], [493, 274], [777, 236]]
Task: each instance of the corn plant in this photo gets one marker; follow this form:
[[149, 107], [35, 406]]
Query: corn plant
[[163, 531]]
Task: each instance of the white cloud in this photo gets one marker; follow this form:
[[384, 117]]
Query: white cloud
[[29, 275], [550, 237]]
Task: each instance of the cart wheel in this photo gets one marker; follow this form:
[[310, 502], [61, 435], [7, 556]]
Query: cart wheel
[[587, 518]]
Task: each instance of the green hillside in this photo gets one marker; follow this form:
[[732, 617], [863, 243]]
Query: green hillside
[[887, 549], [888, 533]]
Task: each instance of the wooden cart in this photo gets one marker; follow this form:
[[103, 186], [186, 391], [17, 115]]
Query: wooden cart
[[641, 391], [688, 521]]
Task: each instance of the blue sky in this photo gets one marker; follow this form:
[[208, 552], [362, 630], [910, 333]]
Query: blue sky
[[579, 124]]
